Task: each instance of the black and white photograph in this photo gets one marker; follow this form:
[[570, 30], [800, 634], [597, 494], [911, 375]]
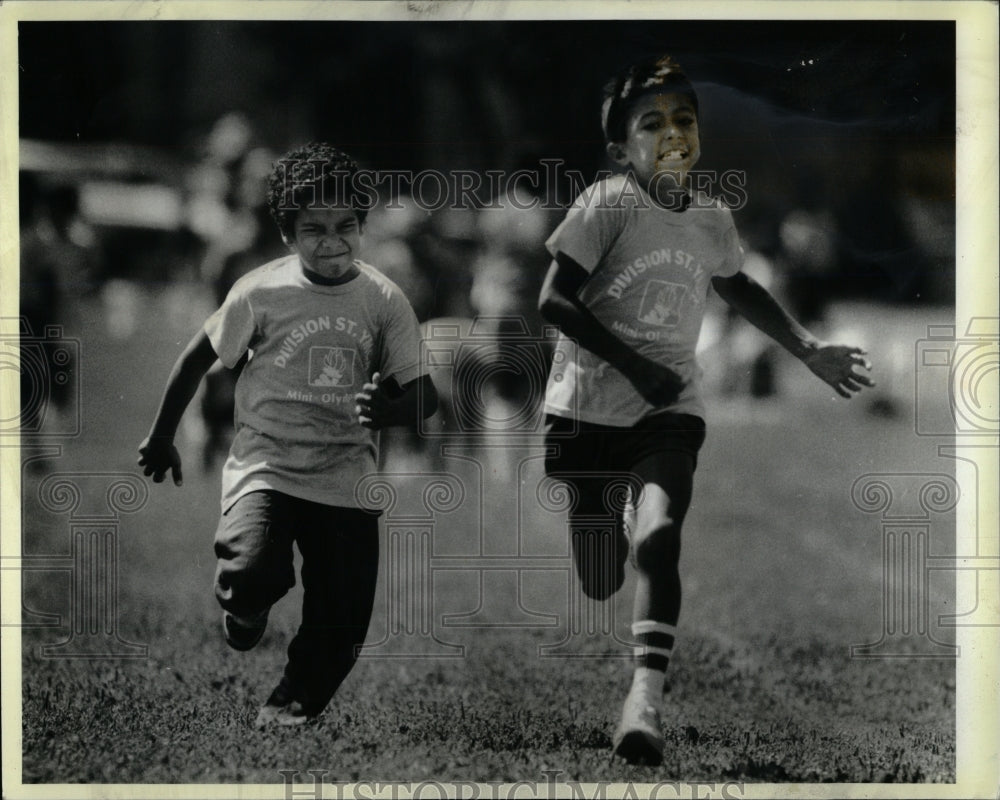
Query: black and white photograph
[[499, 399]]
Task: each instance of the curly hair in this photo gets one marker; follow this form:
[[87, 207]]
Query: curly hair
[[312, 176], [653, 74]]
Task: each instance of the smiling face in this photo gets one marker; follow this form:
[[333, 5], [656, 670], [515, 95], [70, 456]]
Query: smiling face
[[661, 137], [326, 240]]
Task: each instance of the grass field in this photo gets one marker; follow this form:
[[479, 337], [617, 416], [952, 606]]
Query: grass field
[[782, 575]]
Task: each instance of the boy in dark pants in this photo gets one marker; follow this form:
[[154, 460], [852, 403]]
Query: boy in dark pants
[[319, 329]]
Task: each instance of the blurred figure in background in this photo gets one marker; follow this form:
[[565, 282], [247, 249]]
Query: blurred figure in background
[[249, 240], [60, 260], [217, 211], [445, 245], [807, 238], [40, 285], [796, 264], [500, 380], [388, 235], [228, 212], [744, 357]]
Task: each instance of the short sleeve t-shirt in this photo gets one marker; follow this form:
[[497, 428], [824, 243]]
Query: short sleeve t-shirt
[[311, 348], [650, 271]]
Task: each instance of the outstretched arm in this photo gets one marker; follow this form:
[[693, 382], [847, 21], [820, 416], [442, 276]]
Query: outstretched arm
[[833, 363], [382, 403], [560, 304], [157, 452]]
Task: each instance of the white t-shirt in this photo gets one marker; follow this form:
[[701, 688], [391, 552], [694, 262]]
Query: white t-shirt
[[312, 347], [650, 271]]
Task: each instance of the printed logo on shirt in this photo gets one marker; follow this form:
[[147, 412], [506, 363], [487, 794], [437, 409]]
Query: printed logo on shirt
[[661, 303], [299, 334], [331, 366], [630, 273]]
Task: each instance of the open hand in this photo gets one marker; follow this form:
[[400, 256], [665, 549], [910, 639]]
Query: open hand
[[372, 404], [835, 364], [158, 454]]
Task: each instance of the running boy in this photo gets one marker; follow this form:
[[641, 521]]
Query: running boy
[[633, 263], [311, 330]]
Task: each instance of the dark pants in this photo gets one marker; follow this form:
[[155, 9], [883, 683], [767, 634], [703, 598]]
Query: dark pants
[[339, 548], [659, 454]]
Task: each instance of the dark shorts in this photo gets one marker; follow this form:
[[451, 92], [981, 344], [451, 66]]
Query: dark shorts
[[606, 448]]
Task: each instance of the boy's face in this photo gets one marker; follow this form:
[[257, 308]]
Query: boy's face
[[661, 136], [326, 240]]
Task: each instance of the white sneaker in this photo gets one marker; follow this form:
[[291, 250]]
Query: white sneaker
[[638, 738], [289, 714]]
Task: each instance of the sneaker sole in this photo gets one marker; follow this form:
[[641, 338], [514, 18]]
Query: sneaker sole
[[280, 722], [279, 719], [636, 747]]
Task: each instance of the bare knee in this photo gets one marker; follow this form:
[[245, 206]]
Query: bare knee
[[657, 546]]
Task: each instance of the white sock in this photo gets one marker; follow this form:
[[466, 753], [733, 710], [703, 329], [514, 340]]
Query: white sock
[[649, 684], [652, 656]]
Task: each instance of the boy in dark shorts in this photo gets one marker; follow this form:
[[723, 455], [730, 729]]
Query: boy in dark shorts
[[633, 263], [329, 348]]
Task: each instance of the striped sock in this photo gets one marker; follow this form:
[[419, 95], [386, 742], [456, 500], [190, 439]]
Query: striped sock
[[655, 641]]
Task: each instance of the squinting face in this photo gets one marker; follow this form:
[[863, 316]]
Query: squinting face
[[326, 240], [661, 136]]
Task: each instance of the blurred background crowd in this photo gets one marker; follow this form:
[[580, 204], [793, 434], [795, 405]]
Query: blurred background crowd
[[145, 149]]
